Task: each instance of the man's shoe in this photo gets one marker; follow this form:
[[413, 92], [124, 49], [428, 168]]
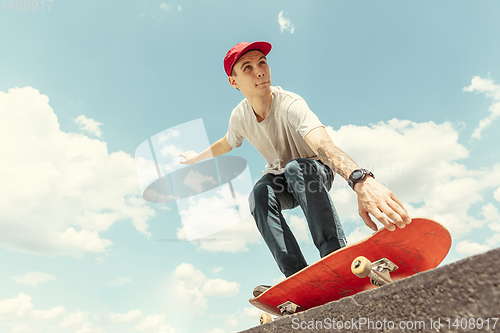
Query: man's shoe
[[259, 290]]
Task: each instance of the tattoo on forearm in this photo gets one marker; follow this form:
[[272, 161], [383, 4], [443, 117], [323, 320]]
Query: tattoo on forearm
[[335, 158]]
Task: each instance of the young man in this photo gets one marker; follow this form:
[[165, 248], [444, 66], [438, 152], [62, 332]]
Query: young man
[[301, 162]]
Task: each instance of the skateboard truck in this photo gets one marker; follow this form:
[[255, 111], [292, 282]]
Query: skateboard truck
[[288, 308], [379, 271]]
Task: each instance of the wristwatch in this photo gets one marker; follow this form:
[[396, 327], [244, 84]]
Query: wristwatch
[[357, 176]]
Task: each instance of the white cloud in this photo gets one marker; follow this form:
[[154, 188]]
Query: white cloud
[[20, 329], [217, 269], [492, 217], [358, 234], [168, 134], [83, 240], [497, 195], [299, 227], [97, 221], [171, 154], [495, 226], [250, 314], [491, 90], [78, 321], [21, 308], [494, 241], [188, 282], [242, 316], [220, 288], [228, 234], [121, 281], [90, 328], [34, 278], [285, 23], [490, 213], [192, 287], [75, 320], [125, 318], [89, 125], [15, 307], [63, 188], [468, 248], [166, 7], [52, 314], [194, 180], [216, 330], [234, 239], [189, 277], [155, 324], [231, 322]]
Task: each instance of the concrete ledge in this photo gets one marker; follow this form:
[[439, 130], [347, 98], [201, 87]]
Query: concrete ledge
[[467, 290]]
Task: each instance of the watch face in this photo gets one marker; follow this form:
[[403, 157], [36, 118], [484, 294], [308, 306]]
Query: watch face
[[358, 174]]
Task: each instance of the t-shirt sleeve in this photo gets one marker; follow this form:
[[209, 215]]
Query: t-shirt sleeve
[[302, 118], [234, 138]]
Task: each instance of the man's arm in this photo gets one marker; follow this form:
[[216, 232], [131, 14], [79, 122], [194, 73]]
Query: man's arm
[[373, 197], [220, 147]]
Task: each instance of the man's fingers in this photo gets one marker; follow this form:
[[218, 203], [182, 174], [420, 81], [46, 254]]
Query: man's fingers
[[400, 215], [379, 214], [368, 221], [389, 209], [383, 219], [401, 210], [382, 204], [187, 156]]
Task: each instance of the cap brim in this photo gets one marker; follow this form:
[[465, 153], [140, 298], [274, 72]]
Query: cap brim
[[263, 47]]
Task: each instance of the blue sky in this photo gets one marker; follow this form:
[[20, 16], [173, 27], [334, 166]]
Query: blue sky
[[409, 89]]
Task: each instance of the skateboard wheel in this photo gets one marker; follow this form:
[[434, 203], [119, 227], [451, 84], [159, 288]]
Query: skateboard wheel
[[361, 267], [265, 318]]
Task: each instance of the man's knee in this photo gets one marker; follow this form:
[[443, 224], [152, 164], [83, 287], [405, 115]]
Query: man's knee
[[258, 197], [303, 166], [294, 167]]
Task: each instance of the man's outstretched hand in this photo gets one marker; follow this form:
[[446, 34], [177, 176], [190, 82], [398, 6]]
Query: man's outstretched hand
[[376, 199], [189, 157]]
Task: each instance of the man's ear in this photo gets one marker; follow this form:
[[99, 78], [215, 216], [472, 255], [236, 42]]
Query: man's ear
[[232, 82]]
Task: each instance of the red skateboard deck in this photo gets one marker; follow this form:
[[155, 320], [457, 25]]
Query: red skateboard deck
[[420, 246]]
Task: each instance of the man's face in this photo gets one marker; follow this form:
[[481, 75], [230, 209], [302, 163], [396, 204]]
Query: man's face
[[251, 74]]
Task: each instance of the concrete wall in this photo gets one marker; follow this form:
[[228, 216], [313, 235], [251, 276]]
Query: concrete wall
[[467, 292]]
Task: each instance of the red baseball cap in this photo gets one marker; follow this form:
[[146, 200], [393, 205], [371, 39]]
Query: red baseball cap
[[240, 49]]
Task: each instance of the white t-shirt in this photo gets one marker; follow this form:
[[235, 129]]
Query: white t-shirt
[[279, 138]]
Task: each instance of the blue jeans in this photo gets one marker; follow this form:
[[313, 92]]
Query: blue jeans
[[305, 182]]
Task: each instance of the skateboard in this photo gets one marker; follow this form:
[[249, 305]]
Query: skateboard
[[383, 257]]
